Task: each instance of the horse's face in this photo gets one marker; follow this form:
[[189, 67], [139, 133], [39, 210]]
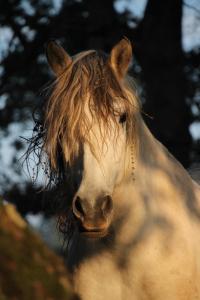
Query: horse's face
[[103, 169], [96, 117]]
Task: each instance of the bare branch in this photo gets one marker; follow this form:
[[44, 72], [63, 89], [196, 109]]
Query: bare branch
[[192, 7]]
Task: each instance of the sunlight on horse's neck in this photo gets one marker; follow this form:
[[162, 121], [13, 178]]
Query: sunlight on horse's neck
[[158, 186], [148, 153], [143, 149]]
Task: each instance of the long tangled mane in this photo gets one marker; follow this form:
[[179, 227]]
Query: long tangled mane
[[88, 82]]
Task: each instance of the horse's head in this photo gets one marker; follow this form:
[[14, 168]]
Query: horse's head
[[90, 116]]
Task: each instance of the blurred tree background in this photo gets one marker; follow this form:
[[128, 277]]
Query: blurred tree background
[[166, 67], [28, 269]]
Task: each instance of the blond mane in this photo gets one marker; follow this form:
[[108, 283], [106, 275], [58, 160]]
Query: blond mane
[[66, 121]]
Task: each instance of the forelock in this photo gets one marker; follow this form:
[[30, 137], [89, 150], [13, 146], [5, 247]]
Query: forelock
[[91, 79]]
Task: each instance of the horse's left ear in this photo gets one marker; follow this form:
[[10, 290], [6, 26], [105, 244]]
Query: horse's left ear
[[120, 57], [57, 57]]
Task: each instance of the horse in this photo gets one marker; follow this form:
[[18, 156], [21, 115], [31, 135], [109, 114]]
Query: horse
[[136, 210]]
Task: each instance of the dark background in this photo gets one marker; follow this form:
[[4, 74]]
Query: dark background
[[167, 74]]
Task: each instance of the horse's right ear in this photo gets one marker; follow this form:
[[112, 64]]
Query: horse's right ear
[[57, 57]]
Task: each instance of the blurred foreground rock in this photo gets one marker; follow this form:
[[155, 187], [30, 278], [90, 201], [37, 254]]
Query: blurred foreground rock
[[28, 269]]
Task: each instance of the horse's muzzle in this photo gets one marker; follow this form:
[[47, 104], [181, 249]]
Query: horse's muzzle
[[93, 220]]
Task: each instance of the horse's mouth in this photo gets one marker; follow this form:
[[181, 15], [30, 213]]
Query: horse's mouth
[[95, 234]]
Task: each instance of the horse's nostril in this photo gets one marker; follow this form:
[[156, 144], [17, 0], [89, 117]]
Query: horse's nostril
[[78, 208], [107, 206]]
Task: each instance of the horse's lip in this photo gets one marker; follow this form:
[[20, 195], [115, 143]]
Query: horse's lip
[[93, 233]]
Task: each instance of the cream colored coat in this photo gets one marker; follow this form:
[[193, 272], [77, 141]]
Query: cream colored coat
[[154, 249]]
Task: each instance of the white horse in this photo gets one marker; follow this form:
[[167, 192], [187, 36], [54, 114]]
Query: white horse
[[137, 210]]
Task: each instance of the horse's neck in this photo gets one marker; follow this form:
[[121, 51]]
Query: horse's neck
[[155, 166], [161, 186]]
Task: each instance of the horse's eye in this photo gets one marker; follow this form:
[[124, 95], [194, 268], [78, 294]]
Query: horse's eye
[[122, 118]]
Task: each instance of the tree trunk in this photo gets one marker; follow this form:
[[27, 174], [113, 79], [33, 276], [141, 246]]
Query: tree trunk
[[161, 57]]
